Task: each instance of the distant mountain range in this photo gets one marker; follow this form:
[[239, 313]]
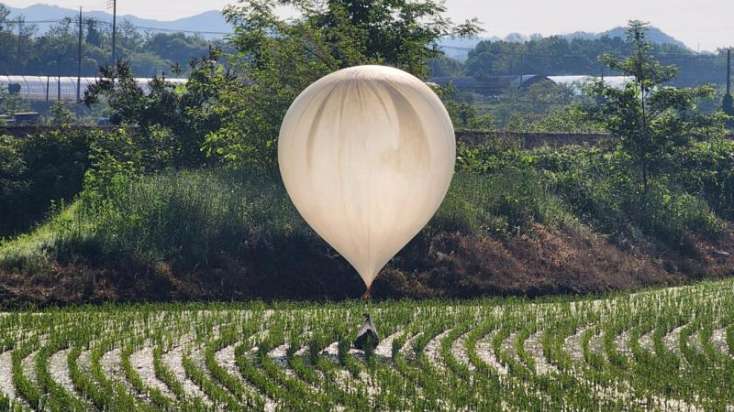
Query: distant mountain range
[[210, 21], [213, 21], [654, 34], [459, 48]]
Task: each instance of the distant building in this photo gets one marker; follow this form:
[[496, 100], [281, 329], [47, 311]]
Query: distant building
[[490, 85], [26, 118], [579, 81], [49, 88], [497, 85]]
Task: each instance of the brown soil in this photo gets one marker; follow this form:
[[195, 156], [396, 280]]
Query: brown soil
[[542, 262]]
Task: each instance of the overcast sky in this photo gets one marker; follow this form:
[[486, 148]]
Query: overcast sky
[[704, 24]]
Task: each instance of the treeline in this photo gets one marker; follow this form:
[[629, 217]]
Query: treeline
[[54, 52], [557, 55]]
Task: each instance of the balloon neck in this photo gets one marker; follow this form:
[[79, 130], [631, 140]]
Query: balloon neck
[[367, 294]]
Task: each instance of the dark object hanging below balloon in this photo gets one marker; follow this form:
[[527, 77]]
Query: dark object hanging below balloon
[[367, 337]]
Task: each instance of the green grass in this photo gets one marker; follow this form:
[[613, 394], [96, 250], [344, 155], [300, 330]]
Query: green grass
[[187, 218], [219, 233]]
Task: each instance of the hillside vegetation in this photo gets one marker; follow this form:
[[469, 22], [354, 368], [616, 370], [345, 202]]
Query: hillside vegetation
[[514, 222], [182, 199]]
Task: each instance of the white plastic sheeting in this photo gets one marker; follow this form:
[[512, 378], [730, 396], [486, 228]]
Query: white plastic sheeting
[[42, 88], [617, 82], [367, 155]]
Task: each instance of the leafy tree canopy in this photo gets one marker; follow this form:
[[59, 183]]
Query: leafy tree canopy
[[652, 120], [278, 58]]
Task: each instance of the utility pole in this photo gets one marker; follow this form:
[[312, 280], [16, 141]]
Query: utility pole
[[728, 72], [20, 41], [728, 103], [79, 61], [114, 32]]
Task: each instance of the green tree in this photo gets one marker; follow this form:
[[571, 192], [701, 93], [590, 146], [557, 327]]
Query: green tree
[[651, 120], [11, 103], [463, 111], [173, 119], [13, 186], [442, 66], [61, 115], [4, 13], [279, 58], [728, 105], [94, 36]]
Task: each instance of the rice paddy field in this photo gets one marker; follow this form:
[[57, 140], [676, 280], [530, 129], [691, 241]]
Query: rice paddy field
[[668, 349]]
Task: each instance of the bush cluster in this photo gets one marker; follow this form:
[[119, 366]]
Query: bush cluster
[[38, 170]]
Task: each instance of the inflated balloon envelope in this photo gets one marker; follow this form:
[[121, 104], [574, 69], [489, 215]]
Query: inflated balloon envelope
[[367, 155]]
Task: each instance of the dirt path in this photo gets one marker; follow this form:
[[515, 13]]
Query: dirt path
[[58, 368], [225, 358], [485, 352], [173, 361], [142, 362], [572, 345], [29, 367], [280, 356], [534, 347], [672, 339], [458, 350], [646, 341], [6, 375], [718, 339], [433, 351], [508, 347], [384, 348], [621, 343], [112, 369], [407, 350]]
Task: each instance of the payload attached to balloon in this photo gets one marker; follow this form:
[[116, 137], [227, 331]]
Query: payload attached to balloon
[[367, 155]]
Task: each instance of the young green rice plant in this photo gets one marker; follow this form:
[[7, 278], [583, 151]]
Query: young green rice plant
[[233, 384], [26, 388], [154, 394], [165, 375], [655, 350], [215, 392], [59, 399]]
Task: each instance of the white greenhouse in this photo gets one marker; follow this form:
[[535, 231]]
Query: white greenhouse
[[48, 88], [617, 82]]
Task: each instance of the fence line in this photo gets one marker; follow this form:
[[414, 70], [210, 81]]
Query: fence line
[[527, 140]]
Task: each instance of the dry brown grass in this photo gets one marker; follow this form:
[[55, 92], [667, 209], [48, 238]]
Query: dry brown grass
[[541, 262]]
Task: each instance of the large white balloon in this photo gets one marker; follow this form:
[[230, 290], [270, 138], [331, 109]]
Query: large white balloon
[[367, 155]]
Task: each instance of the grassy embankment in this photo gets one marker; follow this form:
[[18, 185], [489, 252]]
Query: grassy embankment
[[514, 222]]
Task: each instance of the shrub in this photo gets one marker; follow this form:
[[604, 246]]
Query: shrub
[[36, 171], [595, 186], [707, 169], [185, 217]]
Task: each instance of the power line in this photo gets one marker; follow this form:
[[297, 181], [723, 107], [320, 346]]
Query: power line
[[104, 22], [21, 21], [183, 31], [511, 52], [536, 54], [114, 32]]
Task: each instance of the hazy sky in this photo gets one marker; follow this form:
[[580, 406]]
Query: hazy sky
[[704, 24]]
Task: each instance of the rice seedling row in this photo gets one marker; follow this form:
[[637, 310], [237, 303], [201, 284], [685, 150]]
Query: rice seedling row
[[669, 349]]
